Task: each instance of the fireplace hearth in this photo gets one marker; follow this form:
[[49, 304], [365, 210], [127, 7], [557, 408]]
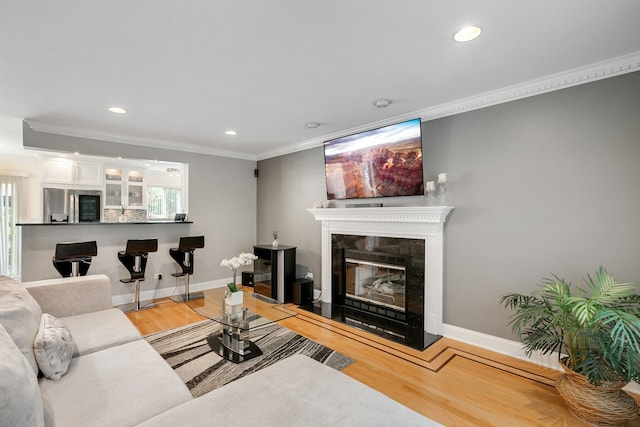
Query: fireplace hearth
[[382, 270], [378, 285]]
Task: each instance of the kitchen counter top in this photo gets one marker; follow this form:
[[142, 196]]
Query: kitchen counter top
[[64, 224]]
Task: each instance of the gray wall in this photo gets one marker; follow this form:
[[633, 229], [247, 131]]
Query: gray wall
[[222, 204], [547, 184], [288, 185]]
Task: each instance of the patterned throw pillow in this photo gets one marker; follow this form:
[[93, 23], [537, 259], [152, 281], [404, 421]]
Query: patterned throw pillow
[[53, 347]]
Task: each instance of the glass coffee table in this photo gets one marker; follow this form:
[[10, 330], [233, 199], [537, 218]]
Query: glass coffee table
[[233, 341]]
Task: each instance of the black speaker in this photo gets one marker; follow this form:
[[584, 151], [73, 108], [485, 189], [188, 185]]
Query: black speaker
[[302, 292], [247, 278]]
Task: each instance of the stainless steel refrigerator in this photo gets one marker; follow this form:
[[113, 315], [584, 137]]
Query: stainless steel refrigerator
[[71, 205]]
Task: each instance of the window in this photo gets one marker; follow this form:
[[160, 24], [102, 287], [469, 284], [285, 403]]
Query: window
[[164, 202], [10, 236]]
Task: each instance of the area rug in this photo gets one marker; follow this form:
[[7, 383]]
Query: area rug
[[187, 352]]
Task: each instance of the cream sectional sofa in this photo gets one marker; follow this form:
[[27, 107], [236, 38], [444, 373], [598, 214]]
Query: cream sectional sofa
[[115, 378]]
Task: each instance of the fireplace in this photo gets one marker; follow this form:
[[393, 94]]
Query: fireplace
[[378, 285], [376, 282], [382, 269]]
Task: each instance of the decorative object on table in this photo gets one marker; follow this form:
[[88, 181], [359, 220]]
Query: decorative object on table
[[234, 263], [441, 191], [275, 238], [234, 295], [317, 205], [233, 298], [431, 191], [122, 217], [598, 329]]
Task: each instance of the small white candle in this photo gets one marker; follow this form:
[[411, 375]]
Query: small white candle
[[431, 185], [442, 178]]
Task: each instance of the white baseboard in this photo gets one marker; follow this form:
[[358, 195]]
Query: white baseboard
[[509, 348], [168, 291]]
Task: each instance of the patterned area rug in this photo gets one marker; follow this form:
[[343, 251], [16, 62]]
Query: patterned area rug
[[186, 350]]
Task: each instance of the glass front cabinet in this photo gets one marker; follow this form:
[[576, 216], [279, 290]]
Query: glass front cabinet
[[124, 188]]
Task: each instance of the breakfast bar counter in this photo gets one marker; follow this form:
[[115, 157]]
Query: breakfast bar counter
[[39, 242], [63, 224]]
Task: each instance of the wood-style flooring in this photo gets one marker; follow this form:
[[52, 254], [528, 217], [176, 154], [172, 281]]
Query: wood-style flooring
[[451, 382]]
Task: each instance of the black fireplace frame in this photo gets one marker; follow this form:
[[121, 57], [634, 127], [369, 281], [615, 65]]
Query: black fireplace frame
[[408, 328]]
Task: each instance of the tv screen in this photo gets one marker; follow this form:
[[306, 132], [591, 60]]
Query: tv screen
[[383, 162]]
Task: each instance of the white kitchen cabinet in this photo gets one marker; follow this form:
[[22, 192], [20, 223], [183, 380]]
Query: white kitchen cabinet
[[66, 171], [124, 187], [88, 173], [56, 170]]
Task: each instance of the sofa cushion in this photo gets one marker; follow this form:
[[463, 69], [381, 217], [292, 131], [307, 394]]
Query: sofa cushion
[[20, 401], [53, 347], [295, 391], [99, 330], [118, 386], [20, 315], [69, 296]]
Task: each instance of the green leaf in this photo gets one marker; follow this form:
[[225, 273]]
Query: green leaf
[[598, 327]]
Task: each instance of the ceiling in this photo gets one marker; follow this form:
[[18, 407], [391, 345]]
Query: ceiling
[[188, 71]]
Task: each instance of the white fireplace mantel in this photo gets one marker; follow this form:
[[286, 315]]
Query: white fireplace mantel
[[409, 222]]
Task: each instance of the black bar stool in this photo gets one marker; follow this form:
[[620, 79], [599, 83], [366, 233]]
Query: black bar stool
[[183, 255], [134, 258], [74, 259]]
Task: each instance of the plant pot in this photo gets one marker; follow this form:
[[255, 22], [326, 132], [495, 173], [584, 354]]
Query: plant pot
[[235, 298], [605, 404]]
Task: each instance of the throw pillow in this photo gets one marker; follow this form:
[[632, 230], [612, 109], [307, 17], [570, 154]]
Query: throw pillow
[[53, 347], [20, 315], [20, 400]]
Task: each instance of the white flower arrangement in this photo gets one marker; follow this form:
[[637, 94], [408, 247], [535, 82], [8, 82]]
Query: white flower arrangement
[[236, 262]]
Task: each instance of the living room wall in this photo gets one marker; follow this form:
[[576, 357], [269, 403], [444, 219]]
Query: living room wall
[[542, 185], [222, 205]]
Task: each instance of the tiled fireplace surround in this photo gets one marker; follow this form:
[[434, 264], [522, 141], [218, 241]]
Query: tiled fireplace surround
[[412, 222]]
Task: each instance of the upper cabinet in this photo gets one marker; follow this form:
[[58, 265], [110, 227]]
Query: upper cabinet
[[64, 171], [88, 173], [124, 188]]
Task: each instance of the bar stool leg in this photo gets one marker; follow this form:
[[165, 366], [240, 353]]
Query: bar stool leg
[[75, 269], [137, 300], [136, 304], [188, 295]]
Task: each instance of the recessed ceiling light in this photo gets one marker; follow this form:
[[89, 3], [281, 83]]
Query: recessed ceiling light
[[382, 103], [311, 125], [230, 132], [76, 153], [117, 110], [466, 34]]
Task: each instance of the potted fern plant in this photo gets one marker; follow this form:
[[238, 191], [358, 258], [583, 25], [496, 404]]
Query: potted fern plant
[[596, 333]]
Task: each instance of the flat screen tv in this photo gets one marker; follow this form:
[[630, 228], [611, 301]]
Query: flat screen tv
[[383, 162]]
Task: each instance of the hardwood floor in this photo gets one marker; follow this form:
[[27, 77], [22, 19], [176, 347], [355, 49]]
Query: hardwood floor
[[450, 382]]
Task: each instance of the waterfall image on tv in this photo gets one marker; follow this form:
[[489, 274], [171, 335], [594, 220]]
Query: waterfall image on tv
[[383, 162]]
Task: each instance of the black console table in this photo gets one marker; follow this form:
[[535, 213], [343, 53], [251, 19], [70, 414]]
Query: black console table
[[274, 271]]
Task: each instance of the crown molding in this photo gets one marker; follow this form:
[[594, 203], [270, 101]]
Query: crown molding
[[135, 140], [577, 76]]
